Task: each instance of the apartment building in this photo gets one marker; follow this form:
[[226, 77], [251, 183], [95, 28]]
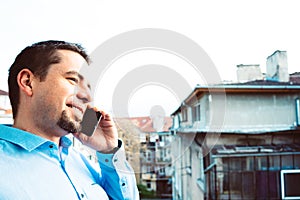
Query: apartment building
[[155, 154], [239, 141]]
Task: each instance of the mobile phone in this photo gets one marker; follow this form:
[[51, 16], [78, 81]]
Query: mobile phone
[[90, 121]]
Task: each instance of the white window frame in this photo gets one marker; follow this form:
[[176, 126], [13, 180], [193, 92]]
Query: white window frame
[[196, 112], [184, 114], [297, 107]]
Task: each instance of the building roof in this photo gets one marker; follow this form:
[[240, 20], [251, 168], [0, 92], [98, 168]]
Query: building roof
[[267, 82], [257, 86], [145, 124], [295, 78]]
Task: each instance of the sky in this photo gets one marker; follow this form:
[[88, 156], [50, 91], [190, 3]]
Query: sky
[[231, 32]]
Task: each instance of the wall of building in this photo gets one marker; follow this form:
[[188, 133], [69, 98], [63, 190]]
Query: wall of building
[[187, 168], [177, 165], [130, 136], [260, 111], [247, 112]]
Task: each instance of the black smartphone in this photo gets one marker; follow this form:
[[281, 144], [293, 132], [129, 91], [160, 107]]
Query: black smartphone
[[90, 121]]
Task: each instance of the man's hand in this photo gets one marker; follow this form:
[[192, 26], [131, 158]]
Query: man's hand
[[105, 138]]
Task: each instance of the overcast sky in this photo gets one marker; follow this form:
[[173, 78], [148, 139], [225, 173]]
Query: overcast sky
[[230, 32]]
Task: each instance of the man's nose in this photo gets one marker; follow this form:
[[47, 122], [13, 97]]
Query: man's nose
[[84, 93]]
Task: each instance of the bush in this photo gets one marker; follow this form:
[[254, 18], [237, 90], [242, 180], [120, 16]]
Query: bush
[[144, 193]]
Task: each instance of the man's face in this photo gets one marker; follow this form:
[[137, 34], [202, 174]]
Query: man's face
[[61, 99]]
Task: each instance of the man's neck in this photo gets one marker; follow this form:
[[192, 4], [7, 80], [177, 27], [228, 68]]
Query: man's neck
[[49, 135]]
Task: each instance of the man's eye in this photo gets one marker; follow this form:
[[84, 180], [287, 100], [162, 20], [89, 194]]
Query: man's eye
[[75, 80]]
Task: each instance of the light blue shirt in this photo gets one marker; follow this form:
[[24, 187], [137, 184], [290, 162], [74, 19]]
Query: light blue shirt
[[34, 168]]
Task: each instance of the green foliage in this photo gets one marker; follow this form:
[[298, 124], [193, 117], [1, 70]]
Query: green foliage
[[145, 193]]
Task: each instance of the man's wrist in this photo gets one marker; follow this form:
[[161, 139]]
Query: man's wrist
[[113, 150]]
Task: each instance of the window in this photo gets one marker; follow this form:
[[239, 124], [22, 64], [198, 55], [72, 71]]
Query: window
[[162, 170], [249, 177], [148, 182], [184, 114], [196, 113], [290, 180]]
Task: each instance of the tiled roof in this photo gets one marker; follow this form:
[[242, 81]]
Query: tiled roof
[[3, 92], [145, 124], [295, 78], [295, 74]]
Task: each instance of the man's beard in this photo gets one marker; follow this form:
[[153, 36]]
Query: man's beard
[[67, 124]]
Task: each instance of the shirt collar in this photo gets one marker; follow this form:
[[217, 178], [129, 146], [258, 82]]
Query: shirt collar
[[26, 139], [65, 142]]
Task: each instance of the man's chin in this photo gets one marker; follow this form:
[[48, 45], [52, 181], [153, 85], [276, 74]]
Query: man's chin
[[67, 124]]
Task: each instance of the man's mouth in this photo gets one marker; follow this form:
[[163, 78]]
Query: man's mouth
[[75, 106]]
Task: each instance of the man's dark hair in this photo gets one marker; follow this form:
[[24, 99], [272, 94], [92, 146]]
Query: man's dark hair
[[38, 58]]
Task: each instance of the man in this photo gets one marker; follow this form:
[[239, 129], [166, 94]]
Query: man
[[49, 97]]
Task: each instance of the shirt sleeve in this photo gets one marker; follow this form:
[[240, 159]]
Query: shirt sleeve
[[118, 176]]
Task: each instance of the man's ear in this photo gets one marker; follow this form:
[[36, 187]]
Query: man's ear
[[24, 80]]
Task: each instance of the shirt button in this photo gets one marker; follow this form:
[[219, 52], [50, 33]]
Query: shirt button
[[51, 146], [116, 159], [82, 195], [106, 160]]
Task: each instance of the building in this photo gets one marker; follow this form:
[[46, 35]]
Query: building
[[235, 141], [130, 135], [260, 136], [155, 153]]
